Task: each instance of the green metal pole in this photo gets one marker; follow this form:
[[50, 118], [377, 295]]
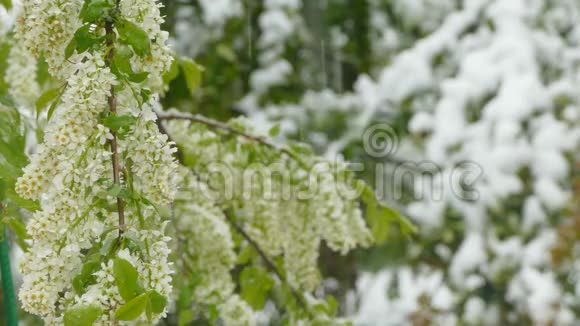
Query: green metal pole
[[10, 308]]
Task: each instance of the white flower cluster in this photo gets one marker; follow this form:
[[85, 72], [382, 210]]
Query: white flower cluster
[[208, 251], [217, 12], [156, 181], [74, 124], [145, 13], [288, 216], [46, 27], [280, 22], [71, 176], [66, 186], [21, 75], [236, 311]]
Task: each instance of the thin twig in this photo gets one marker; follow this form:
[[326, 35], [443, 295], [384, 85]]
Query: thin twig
[[112, 101], [269, 263], [231, 130]]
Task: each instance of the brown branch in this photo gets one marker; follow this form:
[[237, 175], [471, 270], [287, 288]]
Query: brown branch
[[269, 263], [112, 102], [231, 130]]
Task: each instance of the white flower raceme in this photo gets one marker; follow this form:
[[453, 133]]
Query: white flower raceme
[[280, 23], [74, 234], [145, 13], [74, 124], [46, 27], [21, 76], [217, 12], [288, 217], [156, 181], [209, 251], [66, 181], [236, 311]]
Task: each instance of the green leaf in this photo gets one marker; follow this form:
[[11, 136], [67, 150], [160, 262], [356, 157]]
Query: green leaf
[[133, 35], [8, 175], [332, 305], [86, 277], [301, 149], [43, 76], [125, 278], [70, 48], [47, 97], [196, 279], [27, 204], [255, 284], [184, 302], [52, 108], [226, 52], [12, 143], [139, 77], [97, 10], [158, 302], [121, 66], [133, 244], [149, 311], [173, 72], [17, 226], [192, 73], [326, 308], [132, 309], [122, 60], [213, 314], [380, 217], [145, 94], [108, 244], [12, 154], [84, 8], [185, 317], [117, 122], [274, 131], [379, 223], [82, 316], [114, 190], [246, 255], [7, 100], [7, 4], [83, 39], [19, 229]]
